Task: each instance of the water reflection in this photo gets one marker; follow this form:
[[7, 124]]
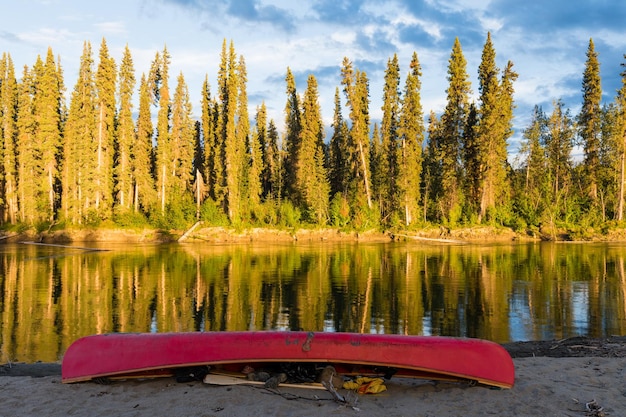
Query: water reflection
[[51, 296]]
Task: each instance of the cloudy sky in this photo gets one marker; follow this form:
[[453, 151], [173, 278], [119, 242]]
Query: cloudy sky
[[546, 40]]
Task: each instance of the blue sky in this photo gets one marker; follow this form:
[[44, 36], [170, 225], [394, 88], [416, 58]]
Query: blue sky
[[546, 40]]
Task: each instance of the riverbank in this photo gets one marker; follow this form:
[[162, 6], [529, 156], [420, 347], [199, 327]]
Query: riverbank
[[581, 377], [231, 235], [200, 233]]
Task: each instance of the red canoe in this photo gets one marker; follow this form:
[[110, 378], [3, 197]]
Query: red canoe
[[430, 357]]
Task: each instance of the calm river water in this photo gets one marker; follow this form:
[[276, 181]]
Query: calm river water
[[50, 296]]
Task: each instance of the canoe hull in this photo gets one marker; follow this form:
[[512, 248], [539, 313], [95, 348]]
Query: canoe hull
[[119, 354]]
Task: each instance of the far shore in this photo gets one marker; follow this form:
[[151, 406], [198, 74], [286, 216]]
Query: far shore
[[206, 234]]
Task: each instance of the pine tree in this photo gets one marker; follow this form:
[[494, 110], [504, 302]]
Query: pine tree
[[8, 135], [291, 142], [27, 168], [258, 176], [432, 171], [48, 99], [532, 195], [142, 154], [80, 146], [388, 165], [182, 143], [411, 134], [379, 168], [311, 179], [242, 138], [356, 88], [453, 122], [106, 79], [160, 74], [558, 141], [209, 135], [620, 133], [274, 160], [125, 135], [589, 120], [339, 164], [492, 131], [231, 162], [218, 177]]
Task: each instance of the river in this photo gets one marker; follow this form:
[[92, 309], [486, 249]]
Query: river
[[50, 296]]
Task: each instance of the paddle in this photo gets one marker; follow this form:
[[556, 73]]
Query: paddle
[[214, 379]]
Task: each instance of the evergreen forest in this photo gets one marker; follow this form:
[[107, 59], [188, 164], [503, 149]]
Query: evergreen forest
[[127, 151]]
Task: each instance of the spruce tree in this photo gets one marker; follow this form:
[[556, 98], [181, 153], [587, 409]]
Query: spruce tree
[[388, 165], [620, 133], [125, 135], [106, 79], [258, 176], [411, 135], [48, 99], [292, 137], [160, 74], [80, 146], [8, 135], [589, 120], [209, 136], [231, 162], [356, 88], [142, 154], [532, 195], [311, 179], [182, 143], [242, 138], [274, 160], [431, 172], [559, 142], [27, 167], [492, 131], [453, 122], [339, 164]]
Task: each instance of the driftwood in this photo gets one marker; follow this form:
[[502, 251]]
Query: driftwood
[[86, 249], [188, 232], [431, 239]]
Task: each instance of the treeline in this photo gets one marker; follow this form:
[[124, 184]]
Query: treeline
[[94, 161]]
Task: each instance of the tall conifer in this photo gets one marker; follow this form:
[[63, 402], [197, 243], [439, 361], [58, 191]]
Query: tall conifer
[[182, 142], [142, 154], [621, 141], [26, 158], [258, 176], [125, 136], [453, 122], [388, 164], [80, 146], [492, 131], [242, 137], [292, 136], [411, 135], [311, 178], [8, 135], [590, 120], [106, 79], [339, 163], [356, 88]]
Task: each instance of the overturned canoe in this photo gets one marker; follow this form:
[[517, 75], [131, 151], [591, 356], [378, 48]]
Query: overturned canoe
[[429, 357]]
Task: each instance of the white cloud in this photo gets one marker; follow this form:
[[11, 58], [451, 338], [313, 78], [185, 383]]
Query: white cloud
[[112, 27]]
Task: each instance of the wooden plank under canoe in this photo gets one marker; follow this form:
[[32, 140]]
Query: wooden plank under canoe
[[430, 357]]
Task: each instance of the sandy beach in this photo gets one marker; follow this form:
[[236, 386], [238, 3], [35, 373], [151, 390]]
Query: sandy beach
[[577, 378]]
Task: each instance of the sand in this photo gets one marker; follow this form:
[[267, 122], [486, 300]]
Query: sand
[[545, 386]]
